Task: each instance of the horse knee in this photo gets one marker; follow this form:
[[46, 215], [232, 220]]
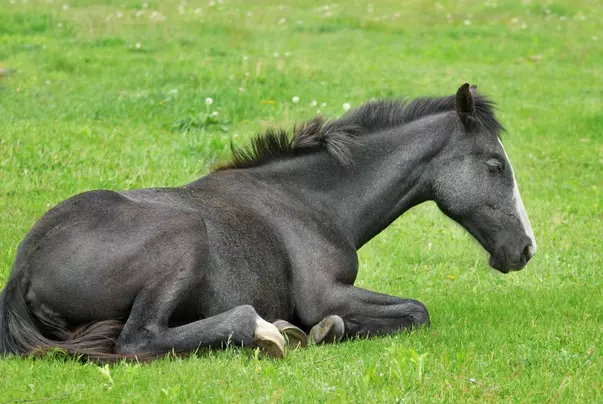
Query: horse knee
[[419, 314]]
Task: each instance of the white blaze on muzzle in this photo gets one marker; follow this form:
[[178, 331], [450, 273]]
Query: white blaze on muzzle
[[520, 207]]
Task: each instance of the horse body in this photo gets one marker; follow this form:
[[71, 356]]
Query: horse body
[[163, 269]]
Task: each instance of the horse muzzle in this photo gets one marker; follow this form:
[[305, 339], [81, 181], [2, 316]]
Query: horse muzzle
[[502, 263]]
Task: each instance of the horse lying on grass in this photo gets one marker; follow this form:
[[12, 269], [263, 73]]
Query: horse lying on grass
[[266, 245]]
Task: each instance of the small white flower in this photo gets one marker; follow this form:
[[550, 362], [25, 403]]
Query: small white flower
[[249, 14], [198, 11], [209, 101], [514, 20], [467, 22], [145, 5], [157, 16], [215, 113], [60, 25], [313, 103], [242, 89], [65, 7], [324, 104], [245, 58], [318, 112], [347, 106], [275, 54], [282, 21], [295, 99], [212, 3], [138, 45], [287, 54], [119, 14]]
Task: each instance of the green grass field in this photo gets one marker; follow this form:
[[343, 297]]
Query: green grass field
[[111, 94]]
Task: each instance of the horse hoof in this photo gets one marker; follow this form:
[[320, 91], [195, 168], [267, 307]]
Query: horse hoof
[[294, 336], [330, 329], [268, 338]]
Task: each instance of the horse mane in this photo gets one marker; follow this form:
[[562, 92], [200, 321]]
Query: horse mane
[[336, 136]]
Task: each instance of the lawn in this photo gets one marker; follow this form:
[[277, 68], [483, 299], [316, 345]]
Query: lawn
[[113, 95]]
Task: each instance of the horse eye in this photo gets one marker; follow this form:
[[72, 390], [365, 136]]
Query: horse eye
[[494, 166]]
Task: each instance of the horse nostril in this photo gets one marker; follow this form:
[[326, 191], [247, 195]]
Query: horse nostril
[[528, 252]]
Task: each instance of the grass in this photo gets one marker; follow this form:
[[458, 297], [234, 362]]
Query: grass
[[112, 95]]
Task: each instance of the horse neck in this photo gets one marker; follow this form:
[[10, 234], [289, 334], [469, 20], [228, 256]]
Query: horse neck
[[389, 175]]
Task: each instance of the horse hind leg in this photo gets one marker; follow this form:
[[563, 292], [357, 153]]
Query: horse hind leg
[[147, 332], [240, 326]]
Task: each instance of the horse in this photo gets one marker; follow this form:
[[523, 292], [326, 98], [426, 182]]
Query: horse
[[263, 250]]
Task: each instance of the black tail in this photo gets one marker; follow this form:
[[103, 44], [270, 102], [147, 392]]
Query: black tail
[[19, 334]]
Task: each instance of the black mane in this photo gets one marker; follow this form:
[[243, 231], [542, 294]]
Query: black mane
[[337, 135]]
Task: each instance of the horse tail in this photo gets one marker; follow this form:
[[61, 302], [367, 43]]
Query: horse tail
[[20, 335], [18, 332]]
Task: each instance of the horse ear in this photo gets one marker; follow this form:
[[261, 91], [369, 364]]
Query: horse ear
[[465, 105]]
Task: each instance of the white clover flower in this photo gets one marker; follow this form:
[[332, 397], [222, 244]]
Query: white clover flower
[[295, 99], [282, 21], [313, 103], [65, 7], [347, 106], [138, 45], [324, 104], [215, 113], [209, 101], [467, 22]]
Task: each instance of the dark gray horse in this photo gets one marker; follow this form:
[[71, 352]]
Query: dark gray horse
[[273, 235]]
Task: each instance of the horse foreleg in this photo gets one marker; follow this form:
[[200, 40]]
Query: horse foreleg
[[355, 312]]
